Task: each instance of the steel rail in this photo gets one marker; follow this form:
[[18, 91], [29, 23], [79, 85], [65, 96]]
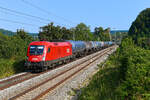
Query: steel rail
[[18, 79], [53, 87], [7, 83], [62, 81]]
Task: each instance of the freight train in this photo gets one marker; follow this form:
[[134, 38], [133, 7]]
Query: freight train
[[43, 55]]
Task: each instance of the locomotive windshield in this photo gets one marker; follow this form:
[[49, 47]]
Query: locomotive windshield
[[36, 49]]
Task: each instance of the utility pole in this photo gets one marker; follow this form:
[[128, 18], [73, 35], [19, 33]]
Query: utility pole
[[109, 34], [120, 37], [115, 34], [115, 37], [73, 34]]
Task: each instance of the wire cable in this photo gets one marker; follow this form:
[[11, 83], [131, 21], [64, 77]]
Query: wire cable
[[28, 15], [17, 22], [43, 22], [48, 12]]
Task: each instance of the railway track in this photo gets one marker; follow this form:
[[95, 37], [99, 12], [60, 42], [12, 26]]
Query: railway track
[[48, 84], [16, 80], [56, 80], [6, 83], [66, 78]]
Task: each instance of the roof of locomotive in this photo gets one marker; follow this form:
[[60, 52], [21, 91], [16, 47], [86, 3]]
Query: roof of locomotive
[[50, 43]]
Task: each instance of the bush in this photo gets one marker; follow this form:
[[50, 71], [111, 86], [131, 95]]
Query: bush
[[135, 69], [13, 52], [104, 84]]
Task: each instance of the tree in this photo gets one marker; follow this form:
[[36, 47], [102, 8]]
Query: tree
[[140, 29], [141, 26], [102, 35], [51, 33], [67, 34], [23, 35], [82, 32], [14, 46]]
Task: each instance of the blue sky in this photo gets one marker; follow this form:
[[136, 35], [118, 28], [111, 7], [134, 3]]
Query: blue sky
[[116, 14]]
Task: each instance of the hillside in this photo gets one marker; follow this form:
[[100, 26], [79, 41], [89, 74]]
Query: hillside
[[7, 32], [115, 31], [10, 33]]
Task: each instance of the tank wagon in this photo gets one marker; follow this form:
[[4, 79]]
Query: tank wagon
[[98, 45], [78, 48], [108, 43], [88, 46], [42, 55]]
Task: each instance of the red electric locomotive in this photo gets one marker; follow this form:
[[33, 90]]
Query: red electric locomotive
[[42, 55]]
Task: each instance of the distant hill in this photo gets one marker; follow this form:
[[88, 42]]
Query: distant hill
[[35, 35], [7, 32], [10, 33], [114, 31]]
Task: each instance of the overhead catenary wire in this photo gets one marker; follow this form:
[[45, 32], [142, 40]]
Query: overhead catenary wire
[[28, 15], [33, 19], [17, 12], [47, 12], [17, 22]]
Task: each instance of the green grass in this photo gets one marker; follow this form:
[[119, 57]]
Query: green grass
[[6, 68], [104, 85], [9, 67]]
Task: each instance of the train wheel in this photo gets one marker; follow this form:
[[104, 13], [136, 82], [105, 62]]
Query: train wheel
[[68, 60], [65, 61], [44, 68]]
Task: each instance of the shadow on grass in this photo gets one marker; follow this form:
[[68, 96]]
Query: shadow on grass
[[103, 86], [18, 66], [10, 67]]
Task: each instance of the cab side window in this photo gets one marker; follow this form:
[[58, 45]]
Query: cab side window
[[48, 51]]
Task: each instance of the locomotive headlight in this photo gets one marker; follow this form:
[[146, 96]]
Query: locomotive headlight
[[43, 59]]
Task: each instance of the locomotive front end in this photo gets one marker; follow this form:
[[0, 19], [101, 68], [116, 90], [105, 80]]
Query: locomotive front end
[[35, 56]]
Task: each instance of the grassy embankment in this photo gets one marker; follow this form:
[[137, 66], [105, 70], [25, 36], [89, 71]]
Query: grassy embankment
[[9, 67], [103, 84], [125, 76]]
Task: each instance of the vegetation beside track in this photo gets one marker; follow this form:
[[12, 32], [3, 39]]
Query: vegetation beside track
[[126, 74], [13, 53], [104, 84]]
